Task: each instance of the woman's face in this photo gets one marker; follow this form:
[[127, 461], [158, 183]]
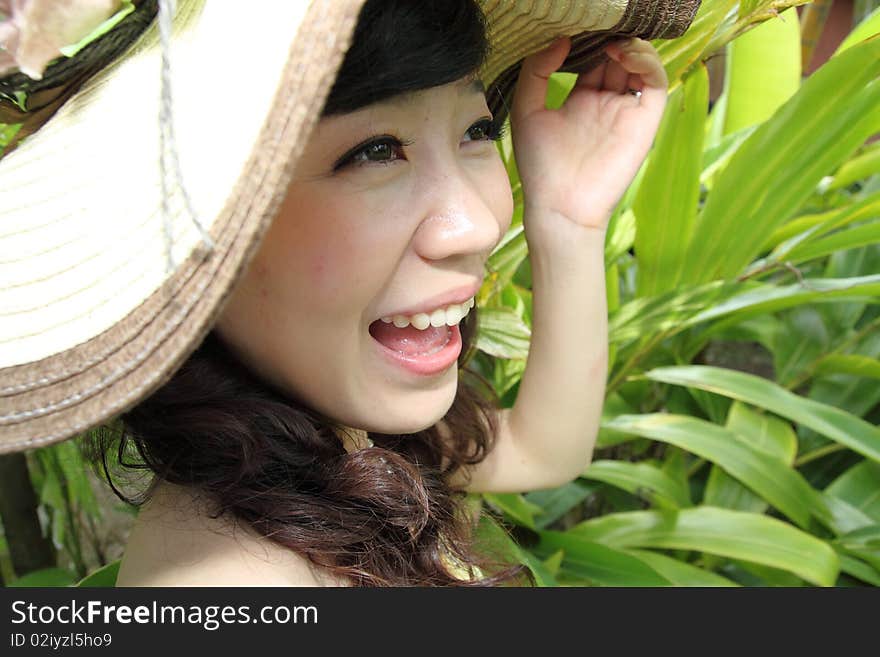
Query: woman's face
[[393, 210]]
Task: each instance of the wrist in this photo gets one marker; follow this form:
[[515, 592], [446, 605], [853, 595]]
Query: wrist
[[551, 234]]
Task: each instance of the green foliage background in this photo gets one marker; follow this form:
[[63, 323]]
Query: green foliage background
[[739, 441]]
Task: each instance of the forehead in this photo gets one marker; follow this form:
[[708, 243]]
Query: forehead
[[468, 85]]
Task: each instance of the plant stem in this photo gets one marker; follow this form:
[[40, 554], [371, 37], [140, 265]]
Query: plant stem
[[643, 351], [819, 453]]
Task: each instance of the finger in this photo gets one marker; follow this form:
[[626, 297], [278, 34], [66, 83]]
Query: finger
[[531, 87], [617, 75], [640, 57], [635, 82], [593, 79], [616, 78]]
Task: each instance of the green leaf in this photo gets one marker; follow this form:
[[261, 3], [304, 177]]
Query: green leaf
[[516, 506], [556, 502], [840, 426], [864, 30], [597, 563], [851, 238], [678, 572], [621, 236], [765, 298], [650, 315], [104, 576], [864, 165], [863, 543], [732, 534], [642, 480], [45, 577], [508, 256], [717, 157], [860, 487], [665, 206], [614, 405], [681, 53], [859, 569], [779, 165], [845, 517], [756, 90], [850, 364], [764, 431], [725, 491], [812, 226], [496, 542], [502, 333], [803, 341], [769, 477], [769, 434]]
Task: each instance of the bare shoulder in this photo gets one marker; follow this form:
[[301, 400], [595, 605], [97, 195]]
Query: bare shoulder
[[175, 543]]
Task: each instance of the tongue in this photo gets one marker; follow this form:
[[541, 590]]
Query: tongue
[[410, 340]]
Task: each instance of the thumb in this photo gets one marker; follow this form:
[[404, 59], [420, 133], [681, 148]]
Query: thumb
[[531, 87]]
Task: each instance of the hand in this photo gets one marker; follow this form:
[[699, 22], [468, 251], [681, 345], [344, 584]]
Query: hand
[[576, 162]]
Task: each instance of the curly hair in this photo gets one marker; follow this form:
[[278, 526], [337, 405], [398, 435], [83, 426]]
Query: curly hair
[[385, 515]]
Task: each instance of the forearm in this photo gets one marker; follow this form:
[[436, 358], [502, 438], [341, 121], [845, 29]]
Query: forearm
[[556, 415]]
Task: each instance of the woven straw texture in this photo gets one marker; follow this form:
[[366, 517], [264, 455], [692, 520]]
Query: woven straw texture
[[90, 321]]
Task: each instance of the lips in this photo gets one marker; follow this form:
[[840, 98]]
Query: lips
[[436, 360], [455, 295]]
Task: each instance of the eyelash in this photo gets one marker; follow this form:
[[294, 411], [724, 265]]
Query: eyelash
[[493, 132]]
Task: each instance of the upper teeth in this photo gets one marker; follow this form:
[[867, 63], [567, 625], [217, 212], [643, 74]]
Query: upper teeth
[[450, 315]]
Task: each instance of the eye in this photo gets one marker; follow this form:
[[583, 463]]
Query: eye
[[485, 130], [380, 150]]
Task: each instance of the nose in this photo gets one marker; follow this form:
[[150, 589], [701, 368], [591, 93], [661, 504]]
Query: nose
[[462, 216]]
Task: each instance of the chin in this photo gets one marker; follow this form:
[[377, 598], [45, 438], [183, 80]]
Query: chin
[[414, 415]]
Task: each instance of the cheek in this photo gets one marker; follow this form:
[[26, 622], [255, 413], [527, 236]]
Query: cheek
[[500, 196]]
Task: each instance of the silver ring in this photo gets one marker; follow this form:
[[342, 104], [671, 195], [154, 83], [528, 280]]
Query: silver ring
[[634, 92]]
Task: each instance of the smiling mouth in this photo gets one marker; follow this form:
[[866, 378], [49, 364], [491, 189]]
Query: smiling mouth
[[409, 340]]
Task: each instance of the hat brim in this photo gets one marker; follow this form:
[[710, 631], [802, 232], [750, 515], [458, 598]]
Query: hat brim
[[90, 320]]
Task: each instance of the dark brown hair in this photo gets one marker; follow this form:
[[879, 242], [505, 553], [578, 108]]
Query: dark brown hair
[[379, 516]]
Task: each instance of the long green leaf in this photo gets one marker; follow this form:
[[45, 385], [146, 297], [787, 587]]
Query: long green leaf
[[641, 479], [733, 534], [765, 298], [502, 333], [840, 241], [867, 28], [515, 506], [764, 431], [860, 487], [756, 90], [864, 165], [815, 225], [840, 426], [680, 54], [680, 573], [665, 206], [599, 564], [767, 433], [556, 502], [780, 485], [497, 542], [779, 165], [850, 364]]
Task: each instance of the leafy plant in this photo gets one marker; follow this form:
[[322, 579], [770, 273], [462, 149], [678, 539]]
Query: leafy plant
[[739, 443]]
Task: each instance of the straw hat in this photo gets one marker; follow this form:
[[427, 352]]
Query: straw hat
[[93, 315]]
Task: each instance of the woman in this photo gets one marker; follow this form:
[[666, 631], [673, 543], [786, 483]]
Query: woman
[[321, 433]]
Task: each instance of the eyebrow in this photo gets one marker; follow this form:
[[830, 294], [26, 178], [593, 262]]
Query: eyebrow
[[475, 86]]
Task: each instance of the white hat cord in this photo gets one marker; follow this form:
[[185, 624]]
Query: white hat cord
[[168, 147]]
